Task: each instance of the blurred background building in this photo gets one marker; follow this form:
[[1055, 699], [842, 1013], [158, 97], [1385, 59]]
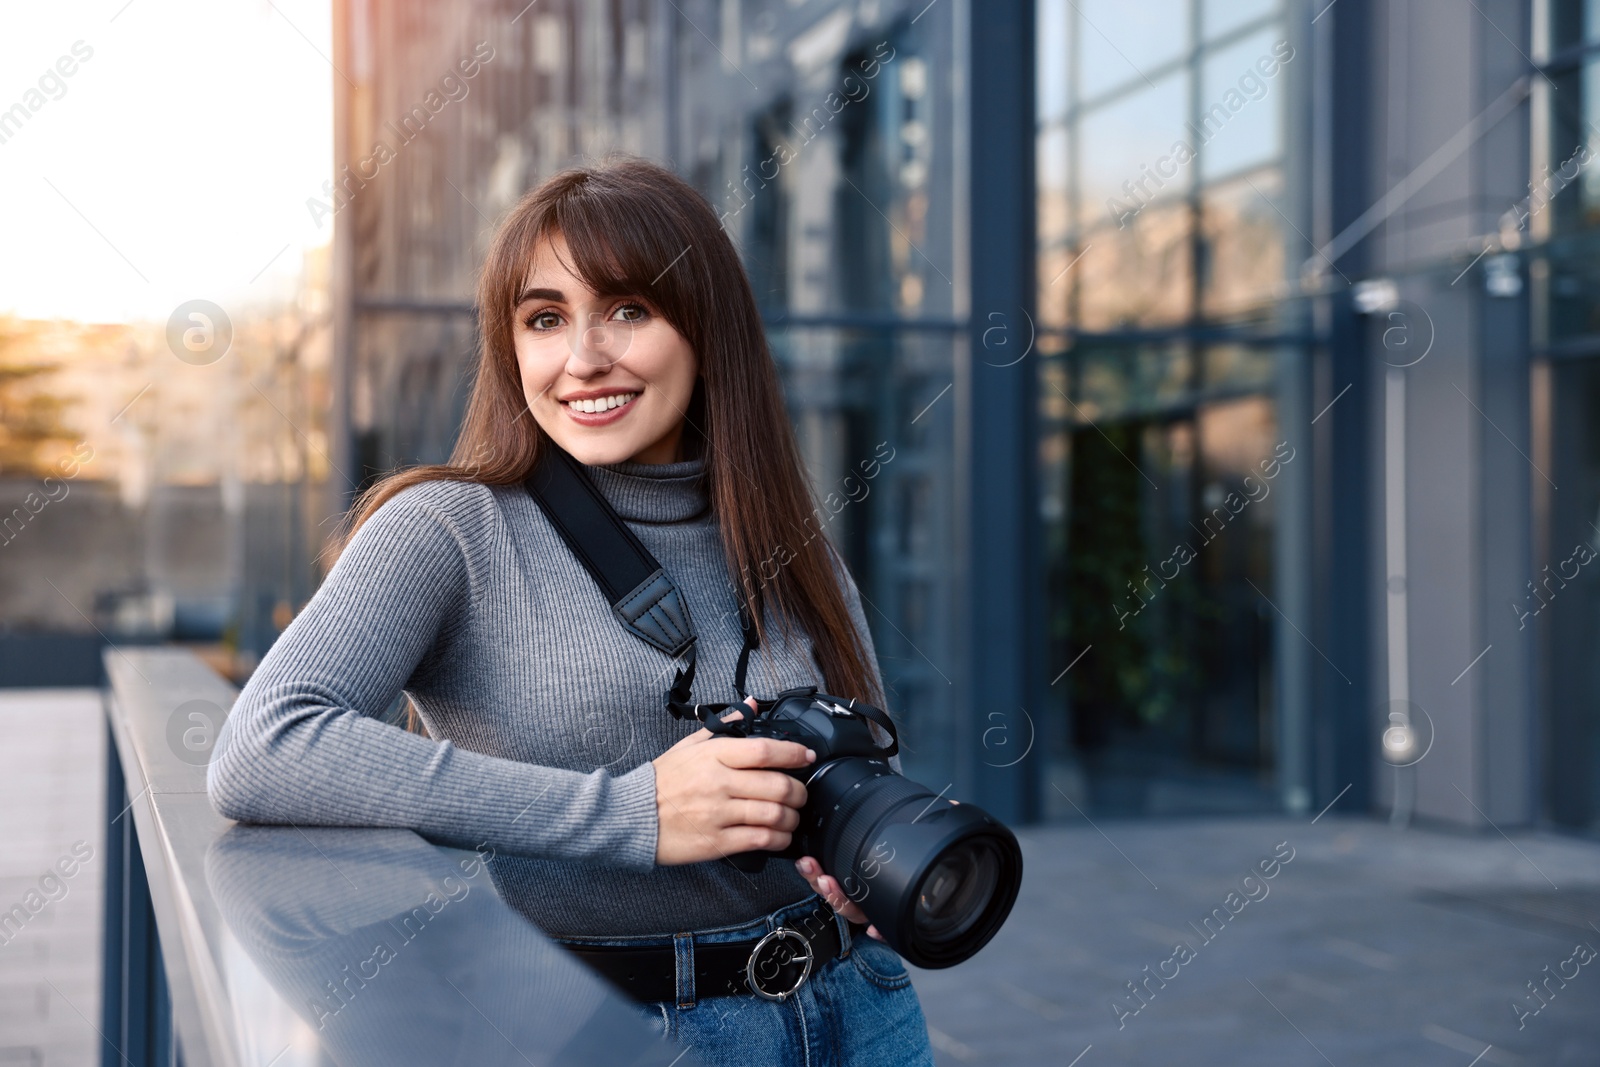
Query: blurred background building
[[1227, 372]]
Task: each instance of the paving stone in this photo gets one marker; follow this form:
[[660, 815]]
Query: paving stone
[[1371, 946], [51, 795]]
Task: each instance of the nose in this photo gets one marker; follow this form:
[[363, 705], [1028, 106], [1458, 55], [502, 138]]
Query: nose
[[594, 349]]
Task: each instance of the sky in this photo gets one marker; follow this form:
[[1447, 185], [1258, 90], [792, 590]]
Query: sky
[[173, 164]]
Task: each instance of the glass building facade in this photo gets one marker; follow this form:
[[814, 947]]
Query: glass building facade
[[839, 182], [1162, 163], [1181, 379], [1561, 602]]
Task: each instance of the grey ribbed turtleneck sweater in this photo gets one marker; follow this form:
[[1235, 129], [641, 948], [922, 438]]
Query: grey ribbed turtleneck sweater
[[544, 714]]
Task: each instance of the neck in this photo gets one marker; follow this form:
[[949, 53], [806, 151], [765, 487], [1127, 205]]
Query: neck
[[654, 492]]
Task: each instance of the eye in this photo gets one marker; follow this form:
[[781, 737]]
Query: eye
[[633, 313], [543, 320]]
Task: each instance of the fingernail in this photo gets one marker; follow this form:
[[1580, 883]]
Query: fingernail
[[811, 756]]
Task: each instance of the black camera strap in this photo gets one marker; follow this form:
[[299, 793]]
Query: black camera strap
[[643, 596], [646, 600]]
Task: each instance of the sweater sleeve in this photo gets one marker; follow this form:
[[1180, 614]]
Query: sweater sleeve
[[304, 744]]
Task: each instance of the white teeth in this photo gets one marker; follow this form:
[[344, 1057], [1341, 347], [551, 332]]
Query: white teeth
[[605, 403]]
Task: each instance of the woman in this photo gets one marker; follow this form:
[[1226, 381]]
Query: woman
[[617, 323]]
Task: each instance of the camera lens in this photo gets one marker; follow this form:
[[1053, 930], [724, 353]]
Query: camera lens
[[955, 892], [937, 879]]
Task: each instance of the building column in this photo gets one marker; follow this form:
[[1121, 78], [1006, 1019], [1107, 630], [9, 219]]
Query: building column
[[1451, 478], [998, 542]]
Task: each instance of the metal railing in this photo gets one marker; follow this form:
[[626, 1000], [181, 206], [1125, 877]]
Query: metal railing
[[242, 946]]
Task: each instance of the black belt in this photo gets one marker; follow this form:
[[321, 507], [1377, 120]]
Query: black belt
[[772, 966]]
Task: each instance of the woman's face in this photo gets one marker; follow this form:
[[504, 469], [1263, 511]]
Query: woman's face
[[605, 376]]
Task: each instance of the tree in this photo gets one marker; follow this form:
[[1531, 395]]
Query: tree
[[30, 415]]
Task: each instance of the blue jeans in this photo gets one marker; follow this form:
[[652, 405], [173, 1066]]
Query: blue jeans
[[858, 1009]]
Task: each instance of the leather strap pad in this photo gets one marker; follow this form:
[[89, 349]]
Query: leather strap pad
[[641, 592]]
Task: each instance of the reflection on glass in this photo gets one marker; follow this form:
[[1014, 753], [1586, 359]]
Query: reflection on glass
[[1565, 193], [1164, 218], [1242, 94], [1051, 167], [1121, 149], [1217, 17], [1052, 50], [875, 425], [1120, 43], [1056, 285], [1139, 276], [1115, 384], [1234, 368], [394, 952], [1573, 22], [1055, 414], [1572, 283], [1054, 221], [1166, 522], [1567, 601], [1244, 239]]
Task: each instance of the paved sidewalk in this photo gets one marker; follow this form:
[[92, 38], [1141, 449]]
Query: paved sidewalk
[[1370, 946], [51, 799]]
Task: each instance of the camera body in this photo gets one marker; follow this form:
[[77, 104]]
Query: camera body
[[829, 726]]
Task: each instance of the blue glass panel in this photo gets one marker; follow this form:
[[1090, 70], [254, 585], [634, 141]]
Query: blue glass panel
[[1243, 88], [1119, 42], [1121, 148], [1051, 55], [1217, 17]]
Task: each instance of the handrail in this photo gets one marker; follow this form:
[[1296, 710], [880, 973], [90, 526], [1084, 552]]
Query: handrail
[[234, 946]]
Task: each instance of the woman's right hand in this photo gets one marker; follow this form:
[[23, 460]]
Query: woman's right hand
[[715, 797]]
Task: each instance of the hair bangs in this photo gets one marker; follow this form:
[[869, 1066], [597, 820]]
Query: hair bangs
[[624, 243]]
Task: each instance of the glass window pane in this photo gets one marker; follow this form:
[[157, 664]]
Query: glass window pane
[[1242, 94], [1114, 384], [1573, 22], [1572, 281], [1243, 237], [1575, 105], [1231, 368], [1051, 56], [1056, 266], [1121, 42], [1138, 276], [1051, 167], [1054, 223], [1121, 148], [1217, 17], [1572, 618]]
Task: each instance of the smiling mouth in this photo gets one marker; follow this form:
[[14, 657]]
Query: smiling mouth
[[600, 404]]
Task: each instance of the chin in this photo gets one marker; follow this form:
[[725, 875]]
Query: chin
[[597, 451], [641, 428]]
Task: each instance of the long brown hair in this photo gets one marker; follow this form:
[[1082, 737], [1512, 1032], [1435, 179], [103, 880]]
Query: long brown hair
[[635, 228]]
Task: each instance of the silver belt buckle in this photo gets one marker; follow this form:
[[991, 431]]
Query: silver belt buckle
[[780, 933]]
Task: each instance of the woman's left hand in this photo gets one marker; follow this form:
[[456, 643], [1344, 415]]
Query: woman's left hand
[[828, 887]]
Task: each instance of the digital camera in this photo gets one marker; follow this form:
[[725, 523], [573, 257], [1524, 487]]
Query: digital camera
[[937, 878]]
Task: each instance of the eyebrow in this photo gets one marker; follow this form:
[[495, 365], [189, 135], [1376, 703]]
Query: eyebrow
[[541, 294]]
